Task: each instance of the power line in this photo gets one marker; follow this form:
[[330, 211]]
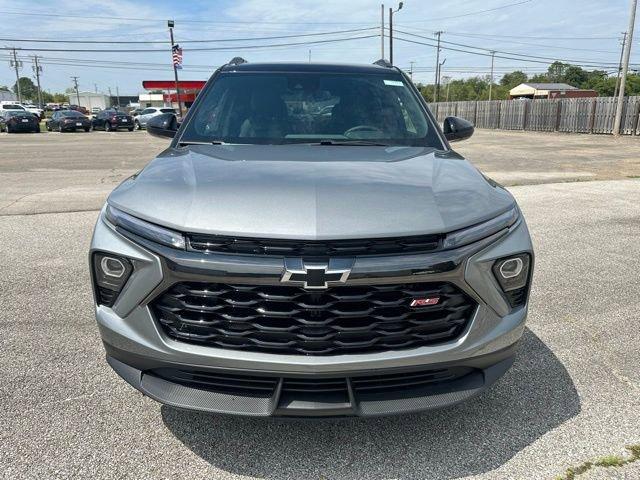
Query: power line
[[496, 56], [536, 37], [477, 12], [165, 42], [181, 20], [489, 50], [204, 49]]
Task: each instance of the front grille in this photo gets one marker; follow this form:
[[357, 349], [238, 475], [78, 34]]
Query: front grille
[[292, 320], [307, 387], [319, 248]]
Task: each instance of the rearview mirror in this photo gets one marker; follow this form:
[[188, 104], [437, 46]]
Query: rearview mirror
[[456, 129], [164, 125]]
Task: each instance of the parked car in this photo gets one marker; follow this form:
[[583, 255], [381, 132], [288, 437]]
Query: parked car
[[13, 121], [95, 110], [68, 120], [280, 260], [11, 106], [135, 112], [110, 120], [141, 120], [30, 107], [79, 108]]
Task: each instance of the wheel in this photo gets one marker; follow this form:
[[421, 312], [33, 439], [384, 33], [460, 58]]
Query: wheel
[[60, 128], [48, 127], [107, 127], [130, 129], [137, 125], [86, 129]]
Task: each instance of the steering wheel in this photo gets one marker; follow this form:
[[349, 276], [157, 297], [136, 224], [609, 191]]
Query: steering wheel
[[362, 128]]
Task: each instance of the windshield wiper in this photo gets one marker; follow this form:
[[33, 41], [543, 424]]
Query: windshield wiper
[[198, 142], [364, 143]]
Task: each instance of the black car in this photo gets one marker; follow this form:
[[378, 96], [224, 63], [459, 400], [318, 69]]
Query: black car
[[110, 120], [68, 120], [13, 121]]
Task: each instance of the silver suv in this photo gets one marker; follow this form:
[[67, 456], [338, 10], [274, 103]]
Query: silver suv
[[310, 245], [140, 121]]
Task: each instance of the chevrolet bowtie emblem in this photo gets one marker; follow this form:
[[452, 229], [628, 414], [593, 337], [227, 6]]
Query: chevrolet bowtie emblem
[[316, 275]]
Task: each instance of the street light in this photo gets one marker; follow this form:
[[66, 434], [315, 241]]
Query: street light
[[391, 12]]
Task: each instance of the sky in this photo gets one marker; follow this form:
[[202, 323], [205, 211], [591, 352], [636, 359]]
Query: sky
[[581, 31]]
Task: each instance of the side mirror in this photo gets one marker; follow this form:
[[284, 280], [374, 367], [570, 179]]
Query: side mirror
[[456, 129], [165, 125]]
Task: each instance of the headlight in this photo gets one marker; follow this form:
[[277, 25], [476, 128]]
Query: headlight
[[482, 230], [144, 229], [111, 273], [512, 274]]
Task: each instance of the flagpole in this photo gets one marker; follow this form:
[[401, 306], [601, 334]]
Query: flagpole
[[170, 24]]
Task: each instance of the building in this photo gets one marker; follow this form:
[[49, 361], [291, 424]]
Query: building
[[549, 90], [7, 96], [162, 93], [91, 100]]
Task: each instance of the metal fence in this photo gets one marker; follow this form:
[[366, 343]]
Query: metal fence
[[575, 115]]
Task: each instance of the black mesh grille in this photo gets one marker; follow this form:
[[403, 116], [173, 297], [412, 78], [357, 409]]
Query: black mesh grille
[[288, 319], [357, 247]]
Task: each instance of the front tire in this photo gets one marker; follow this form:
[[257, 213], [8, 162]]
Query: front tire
[[86, 129], [130, 129], [48, 127], [107, 127], [137, 125], [60, 128]]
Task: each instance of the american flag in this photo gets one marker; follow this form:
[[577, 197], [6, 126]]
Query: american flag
[[177, 56]]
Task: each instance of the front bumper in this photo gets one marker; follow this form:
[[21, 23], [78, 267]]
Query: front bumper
[[136, 346]]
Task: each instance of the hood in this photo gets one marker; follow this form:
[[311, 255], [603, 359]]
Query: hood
[[310, 192]]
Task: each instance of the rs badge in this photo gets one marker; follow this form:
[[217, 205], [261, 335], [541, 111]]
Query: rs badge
[[424, 302]]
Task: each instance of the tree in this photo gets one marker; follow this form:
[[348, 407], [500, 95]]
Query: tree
[[28, 89], [4, 88], [513, 79]]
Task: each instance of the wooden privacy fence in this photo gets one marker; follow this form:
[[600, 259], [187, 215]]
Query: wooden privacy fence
[[575, 115]]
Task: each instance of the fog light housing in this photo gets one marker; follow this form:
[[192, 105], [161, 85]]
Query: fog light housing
[[512, 273], [110, 273]]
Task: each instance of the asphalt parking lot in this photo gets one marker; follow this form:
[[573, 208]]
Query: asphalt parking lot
[[572, 396]]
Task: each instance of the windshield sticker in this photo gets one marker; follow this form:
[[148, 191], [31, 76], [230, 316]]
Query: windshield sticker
[[394, 83]]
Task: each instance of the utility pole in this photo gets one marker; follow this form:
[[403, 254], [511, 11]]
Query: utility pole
[[439, 72], [118, 96], [391, 12], [37, 69], [624, 41], [95, 87], [625, 68], [171, 24], [110, 103], [493, 54], [411, 70], [435, 82], [382, 31], [17, 64], [309, 55], [75, 83]]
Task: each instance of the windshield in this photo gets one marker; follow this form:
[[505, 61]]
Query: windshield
[[168, 110], [71, 113], [290, 107], [12, 107]]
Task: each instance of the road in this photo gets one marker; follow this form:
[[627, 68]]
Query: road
[[572, 396]]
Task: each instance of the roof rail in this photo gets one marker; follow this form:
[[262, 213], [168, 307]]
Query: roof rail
[[237, 61], [383, 63]]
